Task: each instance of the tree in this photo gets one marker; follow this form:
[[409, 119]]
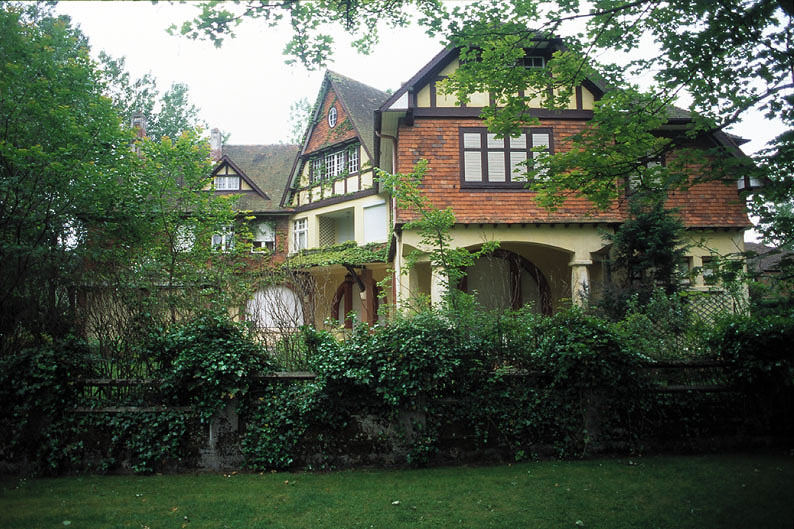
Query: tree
[[167, 115], [101, 234], [300, 113], [62, 153], [727, 58]]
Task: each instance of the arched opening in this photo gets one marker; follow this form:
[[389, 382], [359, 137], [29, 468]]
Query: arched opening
[[505, 280], [275, 307], [348, 298]]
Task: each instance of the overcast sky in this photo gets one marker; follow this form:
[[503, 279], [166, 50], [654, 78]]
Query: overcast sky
[[245, 88]]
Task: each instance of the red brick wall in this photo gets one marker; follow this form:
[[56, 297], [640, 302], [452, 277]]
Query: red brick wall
[[437, 140], [324, 136]]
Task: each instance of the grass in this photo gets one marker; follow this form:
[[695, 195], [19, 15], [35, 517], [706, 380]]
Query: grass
[[717, 491]]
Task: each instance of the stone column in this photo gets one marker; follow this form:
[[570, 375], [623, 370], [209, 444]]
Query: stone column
[[580, 281], [438, 287]]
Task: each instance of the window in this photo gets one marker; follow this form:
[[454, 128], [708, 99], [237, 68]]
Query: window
[[375, 221], [300, 234], [183, 239], [647, 176], [709, 270], [684, 270], [332, 117], [352, 160], [317, 169], [264, 237], [227, 180], [223, 241], [334, 164], [496, 162], [532, 61]]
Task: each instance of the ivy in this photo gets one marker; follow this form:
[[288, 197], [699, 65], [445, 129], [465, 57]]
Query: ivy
[[348, 253]]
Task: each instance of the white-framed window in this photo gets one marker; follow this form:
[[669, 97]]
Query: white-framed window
[[300, 234], [332, 117], [184, 238], [647, 176], [709, 270], [264, 237], [488, 160], [352, 160], [684, 270], [334, 164], [316, 169], [532, 61], [223, 241], [226, 179]]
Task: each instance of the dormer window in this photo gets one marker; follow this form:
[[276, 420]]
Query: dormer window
[[332, 117], [227, 180], [532, 61], [335, 164]]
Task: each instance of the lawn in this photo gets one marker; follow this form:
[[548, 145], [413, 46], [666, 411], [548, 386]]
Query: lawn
[[676, 492]]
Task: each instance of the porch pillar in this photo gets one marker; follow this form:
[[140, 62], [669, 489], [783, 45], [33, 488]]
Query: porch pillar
[[580, 281], [367, 297], [438, 287]]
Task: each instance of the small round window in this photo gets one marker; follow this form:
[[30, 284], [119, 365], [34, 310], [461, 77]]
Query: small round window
[[332, 117]]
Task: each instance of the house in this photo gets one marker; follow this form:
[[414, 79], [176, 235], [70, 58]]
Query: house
[[257, 175], [348, 236]]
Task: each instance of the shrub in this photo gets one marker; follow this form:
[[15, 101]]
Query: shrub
[[761, 363], [208, 361], [36, 389]]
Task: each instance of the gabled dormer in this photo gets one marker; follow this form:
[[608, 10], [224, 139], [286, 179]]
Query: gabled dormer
[[335, 161], [420, 97], [227, 177]]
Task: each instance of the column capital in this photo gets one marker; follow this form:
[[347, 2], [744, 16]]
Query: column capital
[[580, 262]]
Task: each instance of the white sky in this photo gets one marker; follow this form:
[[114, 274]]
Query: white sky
[[244, 87]]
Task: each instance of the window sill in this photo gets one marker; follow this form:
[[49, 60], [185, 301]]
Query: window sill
[[494, 186]]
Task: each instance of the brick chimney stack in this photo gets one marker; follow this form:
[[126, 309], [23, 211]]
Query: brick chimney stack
[[138, 123], [216, 144]]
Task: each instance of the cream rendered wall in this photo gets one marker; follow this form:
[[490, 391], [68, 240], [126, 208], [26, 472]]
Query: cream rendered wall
[[579, 241], [358, 205], [706, 242], [482, 99]]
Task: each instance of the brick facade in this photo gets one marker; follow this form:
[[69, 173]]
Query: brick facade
[[322, 135], [711, 204]]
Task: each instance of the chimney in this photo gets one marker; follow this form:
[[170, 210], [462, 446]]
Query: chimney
[[138, 123], [216, 144]]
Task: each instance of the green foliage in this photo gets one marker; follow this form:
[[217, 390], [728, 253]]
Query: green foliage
[[207, 362], [311, 43], [168, 115], [36, 390], [663, 327], [433, 225], [648, 247], [276, 422], [348, 253], [144, 442], [61, 154], [758, 351]]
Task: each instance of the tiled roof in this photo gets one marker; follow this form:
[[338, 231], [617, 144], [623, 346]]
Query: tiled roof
[[361, 102], [268, 166]]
